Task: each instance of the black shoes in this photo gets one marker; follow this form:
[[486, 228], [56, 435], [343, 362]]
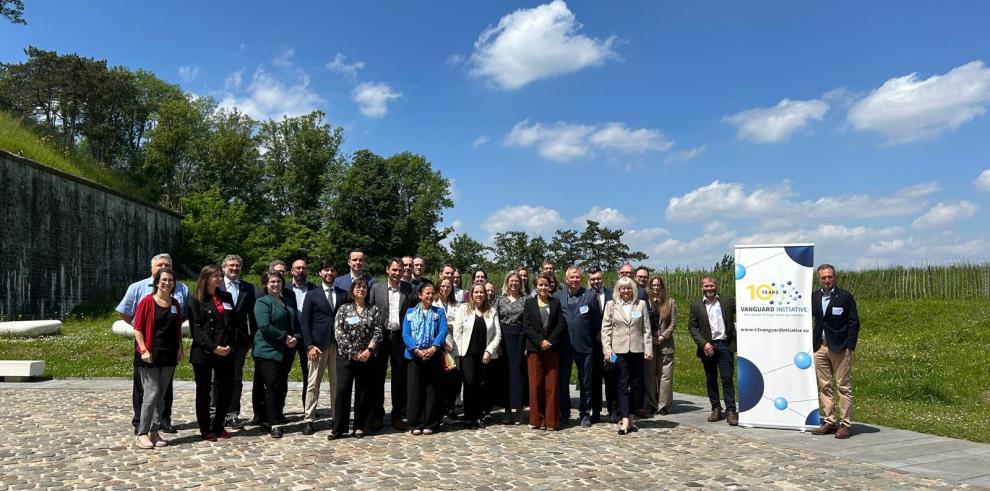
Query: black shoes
[[168, 428], [276, 432], [308, 429]]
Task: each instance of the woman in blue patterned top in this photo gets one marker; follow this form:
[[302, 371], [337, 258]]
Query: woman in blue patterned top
[[424, 331], [358, 331]]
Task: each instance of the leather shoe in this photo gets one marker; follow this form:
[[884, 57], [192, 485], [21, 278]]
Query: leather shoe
[[308, 429], [732, 418], [586, 422], [400, 425], [716, 415], [663, 412], [825, 429], [234, 422], [333, 436], [843, 432], [377, 424], [276, 432], [168, 428], [613, 418]]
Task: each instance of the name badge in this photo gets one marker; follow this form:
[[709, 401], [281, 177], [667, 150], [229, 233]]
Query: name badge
[[583, 309], [836, 310], [352, 320], [636, 314], [228, 306], [175, 310]]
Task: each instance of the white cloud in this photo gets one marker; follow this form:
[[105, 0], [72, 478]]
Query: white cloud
[[536, 43], [720, 199], [268, 97], [562, 141], [481, 140], [454, 60], [982, 182], [339, 65], [372, 98], [943, 214], [524, 217], [906, 109], [188, 73], [608, 217], [778, 123], [233, 81], [284, 59], [615, 136], [685, 155]]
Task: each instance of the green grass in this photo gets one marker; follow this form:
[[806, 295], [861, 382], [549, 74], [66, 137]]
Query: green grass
[[19, 138], [920, 364]]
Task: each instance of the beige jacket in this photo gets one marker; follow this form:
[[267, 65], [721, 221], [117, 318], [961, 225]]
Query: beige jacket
[[623, 333]]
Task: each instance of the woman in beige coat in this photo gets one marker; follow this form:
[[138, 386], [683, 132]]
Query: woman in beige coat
[[626, 341], [659, 372]]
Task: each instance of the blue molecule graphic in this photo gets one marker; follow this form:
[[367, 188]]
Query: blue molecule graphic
[[771, 302], [750, 384], [740, 271], [780, 403], [802, 360], [788, 282], [814, 418]]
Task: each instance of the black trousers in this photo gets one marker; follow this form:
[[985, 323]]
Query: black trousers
[[391, 352], [450, 388], [603, 372], [585, 368], [631, 386], [219, 372], [241, 350], [137, 395], [720, 367], [474, 373], [513, 341], [271, 377], [564, 380], [424, 384], [363, 378], [303, 365]]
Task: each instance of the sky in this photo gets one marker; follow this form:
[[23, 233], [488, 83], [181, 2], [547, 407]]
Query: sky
[[860, 127]]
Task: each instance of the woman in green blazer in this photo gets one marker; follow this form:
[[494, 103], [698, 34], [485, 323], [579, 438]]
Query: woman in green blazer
[[277, 336]]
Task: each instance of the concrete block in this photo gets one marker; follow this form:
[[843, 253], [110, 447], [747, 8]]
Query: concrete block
[[30, 329], [124, 329], [20, 370]]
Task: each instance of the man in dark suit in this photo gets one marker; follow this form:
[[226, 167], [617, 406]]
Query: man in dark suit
[[316, 321], [580, 308], [297, 290], [836, 329], [626, 271], [242, 320], [355, 264], [600, 370], [393, 298], [712, 325]]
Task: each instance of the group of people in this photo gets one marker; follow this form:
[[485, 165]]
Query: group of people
[[511, 346]]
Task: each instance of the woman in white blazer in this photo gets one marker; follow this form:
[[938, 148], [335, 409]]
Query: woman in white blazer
[[476, 336], [626, 340]]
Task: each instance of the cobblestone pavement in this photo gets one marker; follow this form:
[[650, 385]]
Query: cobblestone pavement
[[82, 439]]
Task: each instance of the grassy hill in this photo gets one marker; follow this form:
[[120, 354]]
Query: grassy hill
[[19, 138]]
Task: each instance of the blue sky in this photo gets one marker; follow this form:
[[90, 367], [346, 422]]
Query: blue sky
[[860, 127]]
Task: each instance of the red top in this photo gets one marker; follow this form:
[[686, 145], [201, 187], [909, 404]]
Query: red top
[[218, 304], [144, 321]]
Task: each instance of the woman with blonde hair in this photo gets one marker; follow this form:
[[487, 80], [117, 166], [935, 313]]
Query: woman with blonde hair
[[627, 340], [509, 308], [476, 335], [659, 371]]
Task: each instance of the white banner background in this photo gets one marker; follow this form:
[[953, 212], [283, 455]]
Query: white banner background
[[777, 384]]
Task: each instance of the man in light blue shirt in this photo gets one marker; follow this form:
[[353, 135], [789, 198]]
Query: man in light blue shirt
[[125, 310]]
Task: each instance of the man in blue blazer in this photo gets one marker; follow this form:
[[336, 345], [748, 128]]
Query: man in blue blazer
[[316, 323], [600, 370], [836, 330], [580, 308]]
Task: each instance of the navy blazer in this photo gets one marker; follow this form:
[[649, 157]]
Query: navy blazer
[[581, 327], [242, 318], [841, 330], [532, 325], [599, 315], [316, 317]]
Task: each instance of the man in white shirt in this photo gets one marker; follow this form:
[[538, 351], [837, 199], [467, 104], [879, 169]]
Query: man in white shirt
[[712, 325], [392, 298], [242, 319], [316, 321]]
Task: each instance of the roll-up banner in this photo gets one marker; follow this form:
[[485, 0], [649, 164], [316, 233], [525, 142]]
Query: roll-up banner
[[777, 384]]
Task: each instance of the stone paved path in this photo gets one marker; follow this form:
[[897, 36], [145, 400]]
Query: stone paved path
[[65, 438]]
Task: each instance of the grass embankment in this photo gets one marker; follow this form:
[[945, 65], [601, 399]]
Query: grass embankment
[[19, 138], [920, 364]]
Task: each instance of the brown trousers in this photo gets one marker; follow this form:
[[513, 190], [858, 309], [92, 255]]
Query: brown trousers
[[831, 366], [544, 394]]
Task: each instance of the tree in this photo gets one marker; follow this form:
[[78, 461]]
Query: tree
[[727, 264], [228, 159], [213, 227], [175, 146], [565, 249], [602, 247], [13, 10], [514, 249], [467, 254]]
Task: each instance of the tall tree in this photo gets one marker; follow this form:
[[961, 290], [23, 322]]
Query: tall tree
[[13, 10], [175, 146], [514, 249], [603, 247], [467, 253], [565, 249]]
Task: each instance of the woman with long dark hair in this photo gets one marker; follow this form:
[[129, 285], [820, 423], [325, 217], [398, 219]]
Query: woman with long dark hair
[[212, 349], [277, 336], [424, 331], [358, 329], [659, 371], [543, 323], [158, 332]]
